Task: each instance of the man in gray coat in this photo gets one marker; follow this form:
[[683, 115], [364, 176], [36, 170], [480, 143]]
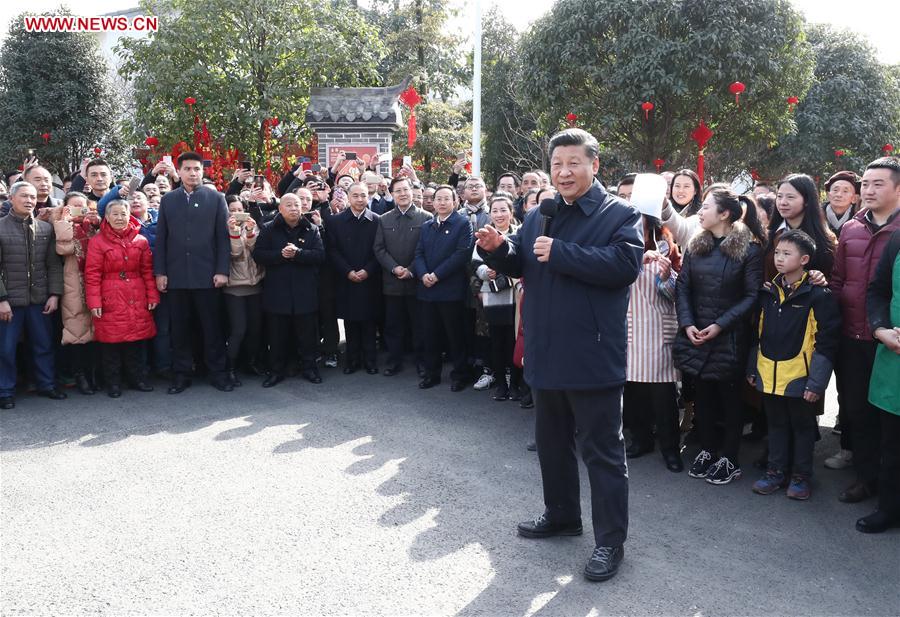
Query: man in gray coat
[[31, 282], [395, 248]]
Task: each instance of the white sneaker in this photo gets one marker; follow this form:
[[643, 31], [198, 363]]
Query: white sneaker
[[841, 460], [484, 382]]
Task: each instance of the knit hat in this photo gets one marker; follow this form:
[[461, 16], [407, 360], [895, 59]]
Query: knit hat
[[846, 176]]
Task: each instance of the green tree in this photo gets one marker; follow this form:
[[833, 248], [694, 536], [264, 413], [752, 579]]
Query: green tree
[[449, 133], [681, 55], [244, 61], [56, 83], [851, 106]]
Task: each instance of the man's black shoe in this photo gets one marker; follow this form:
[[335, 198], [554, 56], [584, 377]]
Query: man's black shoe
[[233, 379], [604, 563], [114, 391], [141, 386], [457, 386], [180, 383], [222, 384], [673, 462], [371, 369], [542, 527], [54, 394], [392, 370], [429, 382], [7, 402], [272, 380], [877, 522], [637, 450], [312, 376], [350, 369], [859, 491], [527, 402]]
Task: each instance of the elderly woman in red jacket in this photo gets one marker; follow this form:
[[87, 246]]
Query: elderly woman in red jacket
[[120, 291]]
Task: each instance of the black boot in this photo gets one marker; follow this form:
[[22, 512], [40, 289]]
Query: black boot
[[83, 384], [231, 375]]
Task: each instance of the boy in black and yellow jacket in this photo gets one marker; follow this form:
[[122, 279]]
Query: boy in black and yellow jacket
[[799, 329]]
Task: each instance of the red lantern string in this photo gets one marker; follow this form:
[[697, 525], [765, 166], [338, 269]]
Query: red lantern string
[[659, 163], [839, 153], [701, 135], [792, 101], [45, 137], [571, 118], [887, 148], [736, 89], [647, 106], [411, 98]]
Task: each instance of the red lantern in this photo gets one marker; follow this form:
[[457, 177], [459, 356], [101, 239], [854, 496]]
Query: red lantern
[[571, 118], [45, 137], [98, 150], [647, 106], [736, 89], [701, 135], [792, 100], [887, 148], [190, 101], [276, 121], [151, 141], [839, 153], [659, 163], [411, 98]]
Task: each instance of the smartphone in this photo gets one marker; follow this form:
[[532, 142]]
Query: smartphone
[[134, 185], [241, 217], [339, 193], [207, 163], [246, 165], [306, 166], [407, 160], [85, 211], [167, 159], [350, 156], [316, 168], [259, 181]]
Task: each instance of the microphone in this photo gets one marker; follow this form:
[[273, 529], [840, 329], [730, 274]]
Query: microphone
[[549, 208]]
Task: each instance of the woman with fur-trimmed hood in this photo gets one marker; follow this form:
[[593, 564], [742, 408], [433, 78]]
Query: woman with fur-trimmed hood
[[717, 288]]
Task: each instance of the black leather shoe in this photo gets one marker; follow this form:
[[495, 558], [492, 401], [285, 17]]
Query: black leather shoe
[[180, 383], [457, 386], [114, 391], [141, 386], [604, 563], [527, 402], [273, 380], [877, 522], [429, 382], [7, 402], [54, 394], [542, 527], [859, 491], [222, 384], [232, 378], [673, 462], [350, 369], [637, 450], [392, 370], [372, 369], [312, 376], [83, 385]]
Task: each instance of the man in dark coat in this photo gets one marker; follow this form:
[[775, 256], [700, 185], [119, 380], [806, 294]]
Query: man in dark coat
[[577, 271], [351, 242], [191, 263], [395, 249], [290, 249]]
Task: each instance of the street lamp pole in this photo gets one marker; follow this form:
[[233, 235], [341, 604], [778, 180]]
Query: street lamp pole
[[476, 94]]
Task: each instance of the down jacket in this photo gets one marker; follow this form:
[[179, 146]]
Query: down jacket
[[857, 254], [30, 269], [718, 283], [72, 239], [118, 278]]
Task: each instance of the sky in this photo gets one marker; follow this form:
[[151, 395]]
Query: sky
[[877, 20]]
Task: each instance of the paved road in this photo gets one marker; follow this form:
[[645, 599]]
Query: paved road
[[365, 496]]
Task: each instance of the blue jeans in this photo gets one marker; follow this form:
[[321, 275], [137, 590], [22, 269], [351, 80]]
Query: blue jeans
[[38, 336]]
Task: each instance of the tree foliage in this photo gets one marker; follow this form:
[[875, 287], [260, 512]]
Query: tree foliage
[[852, 106], [681, 55], [449, 133], [244, 61], [56, 83]]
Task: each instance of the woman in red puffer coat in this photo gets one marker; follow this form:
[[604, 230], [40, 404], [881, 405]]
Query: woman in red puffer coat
[[120, 291]]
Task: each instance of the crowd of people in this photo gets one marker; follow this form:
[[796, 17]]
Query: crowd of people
[[742, 308]]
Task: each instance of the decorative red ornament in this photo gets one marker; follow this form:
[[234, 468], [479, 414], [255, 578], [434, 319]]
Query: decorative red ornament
[[754, 175], [736, 88], [792, 100], [659, 163], [411, 98], [45, 137], [839, 153], [647, 106], [571, 118], [151, 141], [887, 148], [276, 121], [701, 135], [98, 150], [190, 101]]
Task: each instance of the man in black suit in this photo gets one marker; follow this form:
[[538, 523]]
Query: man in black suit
[[191, 264]]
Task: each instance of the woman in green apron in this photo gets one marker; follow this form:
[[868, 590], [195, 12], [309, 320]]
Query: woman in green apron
[[883, 307]]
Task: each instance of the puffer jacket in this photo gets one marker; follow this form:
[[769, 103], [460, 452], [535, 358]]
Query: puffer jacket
[[118, 278], [245, 272], [72, 239], [858, 251], [718, 283], [30, 271]]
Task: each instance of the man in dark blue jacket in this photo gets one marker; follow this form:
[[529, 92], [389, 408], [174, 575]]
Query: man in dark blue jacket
[[577, 273], [191, 263]]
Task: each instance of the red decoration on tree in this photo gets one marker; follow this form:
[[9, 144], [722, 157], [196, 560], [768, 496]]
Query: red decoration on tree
[[701, 135], [839, 153], [411, 98], [736, 88], [659, 163], [887, 148], [792, 100], [190, 102], [151, 141], [571, 118], [45, 137], [754, 175], [647, 106], [98, 150]]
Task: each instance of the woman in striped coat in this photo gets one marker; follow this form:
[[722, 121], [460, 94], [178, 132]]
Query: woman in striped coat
[[650, 394]]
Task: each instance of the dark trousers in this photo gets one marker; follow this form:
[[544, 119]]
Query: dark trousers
[[478, 348], [855, 360], [360, 343], [328, 324], [889, 481], [503, 343], [82, 358], [118, 356], [244, 326], [646, 405], [443, 322], [206, 303], [792, 421], [38, 340], [402, 315], [717, 401], [280, 327], [162, 342], [597, 416]]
